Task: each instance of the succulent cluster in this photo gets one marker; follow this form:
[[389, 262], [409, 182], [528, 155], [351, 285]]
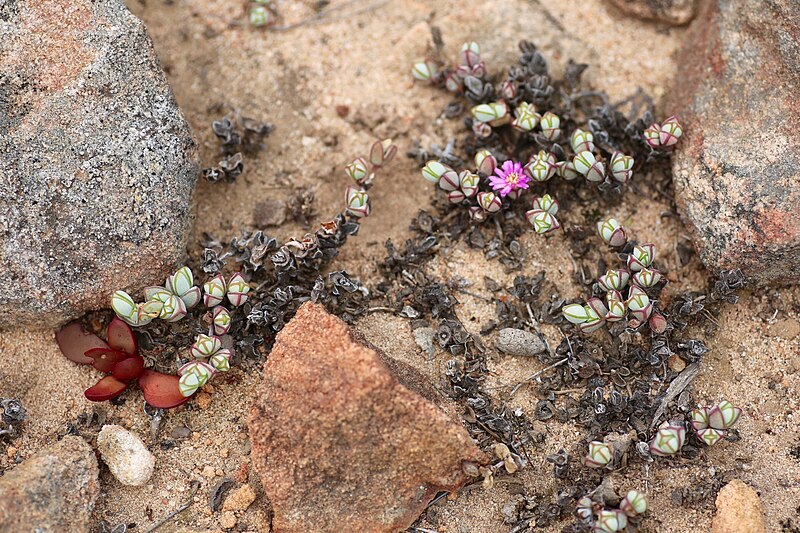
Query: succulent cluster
[[508, 110], [711, 424], [118, 356], [665, 135], [604, 520], [209, 358], [507, 183], [261, 13], [363, 170], [638, 276], [170, 302]]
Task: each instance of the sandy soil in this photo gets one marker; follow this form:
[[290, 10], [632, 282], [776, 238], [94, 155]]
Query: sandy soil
[[296, 79]]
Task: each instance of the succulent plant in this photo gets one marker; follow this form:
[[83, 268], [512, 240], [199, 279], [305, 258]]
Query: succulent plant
[[132, 313], [639, 304], [614, 280], [646, 278], [205, 346], [237, 290], [118, 356], [493, 114], [525, 117], [489, 202], [621, 167], [600, 454], [542, 221], [610, 521], [221, 320], [581, 141], [358, 170], [589, 167], [485, 162], [711, 424], [668, 440], [259, 16], [550, 124], [611, 232], [542, 166], [585, 509], [665, 135], [589, 317], [193, 375], [357, 202], [634, 503], [214, 291], [434, 170], [641, 257], [423, 71], [477, 213], [181, 284], [567, 170]]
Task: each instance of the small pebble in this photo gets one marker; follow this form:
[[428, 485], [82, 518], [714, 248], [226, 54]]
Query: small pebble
[[227, 520], [520, 343], [676, 364], [424, 339], [126, 455], [240, 499], [204, 400]]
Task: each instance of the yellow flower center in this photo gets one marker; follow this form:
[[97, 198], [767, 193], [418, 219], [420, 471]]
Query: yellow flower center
[[512, 178]]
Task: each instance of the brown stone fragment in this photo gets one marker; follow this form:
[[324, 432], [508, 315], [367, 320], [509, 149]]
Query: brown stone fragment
[[738, 510], [340, 444]]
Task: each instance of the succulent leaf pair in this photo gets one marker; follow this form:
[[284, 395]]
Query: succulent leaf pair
[[169, 303], [711, 424], [215, 290]]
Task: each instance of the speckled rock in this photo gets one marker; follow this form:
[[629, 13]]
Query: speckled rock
[[737, 167], [53, 491], [97, 164], [339, 443], [126, 455], [738, 510], [674, 12], [519, 342]]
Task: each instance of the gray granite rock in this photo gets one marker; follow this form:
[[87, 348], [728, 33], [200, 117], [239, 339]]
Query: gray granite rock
[[53, 491], [97, 164], [736, 169]]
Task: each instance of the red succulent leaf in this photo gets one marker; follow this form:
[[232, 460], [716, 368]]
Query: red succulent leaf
[[104, 359], [128, 369], [105, 389], [74, 341], [161, 390], [121, 337]]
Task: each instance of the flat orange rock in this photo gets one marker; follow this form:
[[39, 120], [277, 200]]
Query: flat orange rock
[[340, 444]]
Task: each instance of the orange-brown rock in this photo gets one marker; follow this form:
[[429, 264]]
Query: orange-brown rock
[[738, 510], [340, 444]]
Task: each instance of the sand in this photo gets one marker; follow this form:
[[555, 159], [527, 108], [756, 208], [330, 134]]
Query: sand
[[296, 79]]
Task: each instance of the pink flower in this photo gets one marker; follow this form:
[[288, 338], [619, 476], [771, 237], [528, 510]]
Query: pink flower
[[508, 178]]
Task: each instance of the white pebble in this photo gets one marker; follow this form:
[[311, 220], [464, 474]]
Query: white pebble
[[126, 455]]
